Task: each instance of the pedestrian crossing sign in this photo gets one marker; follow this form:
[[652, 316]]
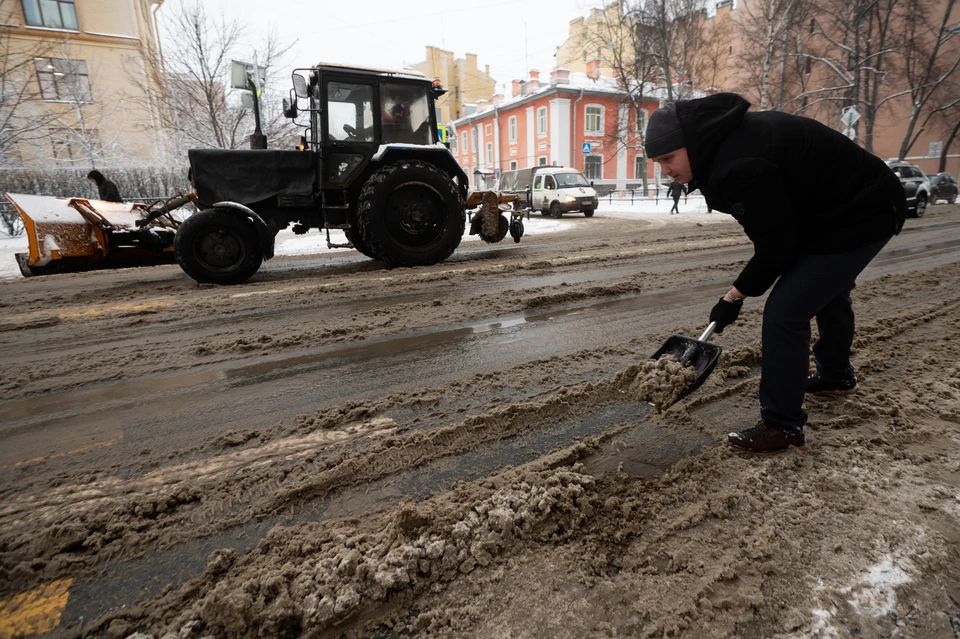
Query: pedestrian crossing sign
[[586, 148]]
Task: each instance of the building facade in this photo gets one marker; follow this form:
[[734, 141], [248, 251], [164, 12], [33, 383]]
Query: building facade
[[77, 89], [571, 120], [730, 56], [466, 84]]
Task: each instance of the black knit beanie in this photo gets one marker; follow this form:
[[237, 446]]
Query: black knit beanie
[[663, 131]]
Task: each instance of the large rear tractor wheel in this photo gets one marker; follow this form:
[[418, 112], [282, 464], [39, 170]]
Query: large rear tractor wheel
[[410, 213], [354, 235], [218, 247]]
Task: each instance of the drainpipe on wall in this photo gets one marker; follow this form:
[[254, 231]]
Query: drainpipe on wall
[[498, 155], [573, 136]]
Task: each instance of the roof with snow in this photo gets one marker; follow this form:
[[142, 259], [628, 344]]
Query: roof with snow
[[576, 82]]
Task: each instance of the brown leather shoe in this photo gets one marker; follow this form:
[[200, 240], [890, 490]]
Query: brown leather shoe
[[817, 385], [764, 439]]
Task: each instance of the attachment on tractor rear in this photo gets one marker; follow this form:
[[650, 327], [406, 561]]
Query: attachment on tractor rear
[[489, 222]]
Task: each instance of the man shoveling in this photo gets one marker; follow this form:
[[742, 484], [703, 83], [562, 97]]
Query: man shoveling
[[813, 241]]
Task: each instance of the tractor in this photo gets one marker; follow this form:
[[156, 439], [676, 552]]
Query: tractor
[[370, 162]]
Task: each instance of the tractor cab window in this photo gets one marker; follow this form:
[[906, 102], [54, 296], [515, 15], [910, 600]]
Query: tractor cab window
[[549, 184], [405, 114], [350, 111]]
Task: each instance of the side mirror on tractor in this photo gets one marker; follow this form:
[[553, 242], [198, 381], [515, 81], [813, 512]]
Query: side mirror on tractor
[[300, 86], [290, 108]]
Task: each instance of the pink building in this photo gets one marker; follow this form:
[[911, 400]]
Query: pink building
[[572, 120]]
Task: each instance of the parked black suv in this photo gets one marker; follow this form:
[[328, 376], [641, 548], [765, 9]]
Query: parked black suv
[[943, 186], [915, 183]]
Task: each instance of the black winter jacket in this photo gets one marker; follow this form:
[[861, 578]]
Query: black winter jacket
[[675, 190], [109, 191], [796, 187]]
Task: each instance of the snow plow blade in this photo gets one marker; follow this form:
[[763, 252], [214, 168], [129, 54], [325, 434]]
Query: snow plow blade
[[75, 234]]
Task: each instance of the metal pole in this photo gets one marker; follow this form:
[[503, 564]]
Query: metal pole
[[258, 140]]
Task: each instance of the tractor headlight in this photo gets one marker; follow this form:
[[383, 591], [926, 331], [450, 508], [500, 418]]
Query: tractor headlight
[[570, 198], [303, 144]]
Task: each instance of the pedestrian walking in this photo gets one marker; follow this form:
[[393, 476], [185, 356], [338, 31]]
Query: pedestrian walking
[[675, 191], [812, 242], [107, 190]]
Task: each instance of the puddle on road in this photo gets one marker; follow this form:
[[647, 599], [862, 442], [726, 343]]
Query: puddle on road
[[895, 255], [647, 450]]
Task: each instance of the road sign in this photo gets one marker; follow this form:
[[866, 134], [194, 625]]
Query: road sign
[[496, 172], [850, 116], [246, 76], [850, 132], [586, 148]]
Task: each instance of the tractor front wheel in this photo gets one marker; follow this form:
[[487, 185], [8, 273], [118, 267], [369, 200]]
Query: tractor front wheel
[[218, 247]]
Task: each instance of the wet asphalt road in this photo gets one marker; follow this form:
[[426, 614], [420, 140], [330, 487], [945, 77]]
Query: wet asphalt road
[[116, 420]]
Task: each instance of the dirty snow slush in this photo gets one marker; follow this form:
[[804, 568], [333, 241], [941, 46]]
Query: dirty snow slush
[[478, 448]]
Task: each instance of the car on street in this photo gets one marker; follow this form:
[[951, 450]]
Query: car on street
[[916, 185], [943, 186]]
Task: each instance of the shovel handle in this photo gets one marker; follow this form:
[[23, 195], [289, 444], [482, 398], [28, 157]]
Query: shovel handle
[[707, 333]]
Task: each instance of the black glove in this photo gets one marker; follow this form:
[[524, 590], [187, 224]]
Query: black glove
[[724, 313]]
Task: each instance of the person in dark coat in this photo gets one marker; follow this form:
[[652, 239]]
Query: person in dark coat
[[675, 190], [813, 241], [108, 190]]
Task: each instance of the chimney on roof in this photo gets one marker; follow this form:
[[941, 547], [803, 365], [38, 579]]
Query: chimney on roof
[[515, 88], [523, 87], [559, 75], [533, 84], [593, 69], [486, 69], [497, 99], [481, 106]]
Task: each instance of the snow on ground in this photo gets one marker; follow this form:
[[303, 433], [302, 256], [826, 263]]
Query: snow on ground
[[314, 242]]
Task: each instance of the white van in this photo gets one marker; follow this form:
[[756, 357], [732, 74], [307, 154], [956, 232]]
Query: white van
[[552, 190], [556, 191]]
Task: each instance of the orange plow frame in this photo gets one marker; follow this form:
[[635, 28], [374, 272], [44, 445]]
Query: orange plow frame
[[72, 234]]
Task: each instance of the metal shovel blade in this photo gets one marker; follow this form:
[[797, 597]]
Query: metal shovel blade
[[699, 354]]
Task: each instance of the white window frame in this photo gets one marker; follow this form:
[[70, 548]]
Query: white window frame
[[512, 129], [488, 129], [542, 160], [489, 153], [513, 165], [595, 177], [464, 143], [587, 117], [542, 122], [637, 161]]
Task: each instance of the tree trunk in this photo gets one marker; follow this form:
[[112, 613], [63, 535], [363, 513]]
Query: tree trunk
[[946, 148], [767, 55]]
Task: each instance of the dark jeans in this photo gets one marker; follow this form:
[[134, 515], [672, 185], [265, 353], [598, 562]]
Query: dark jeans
[[676, 203], [816, 286]]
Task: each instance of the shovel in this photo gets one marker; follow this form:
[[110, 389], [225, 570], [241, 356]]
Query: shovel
[[698, 353]]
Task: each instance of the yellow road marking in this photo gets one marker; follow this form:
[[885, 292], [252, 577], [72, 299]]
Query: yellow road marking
[[119, 307], [34, 612], [75, 451]]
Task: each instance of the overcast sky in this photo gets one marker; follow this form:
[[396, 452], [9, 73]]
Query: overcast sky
[[512, 36]]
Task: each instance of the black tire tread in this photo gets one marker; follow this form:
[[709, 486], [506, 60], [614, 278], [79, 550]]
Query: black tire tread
[[192, 227], [365, 213]]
